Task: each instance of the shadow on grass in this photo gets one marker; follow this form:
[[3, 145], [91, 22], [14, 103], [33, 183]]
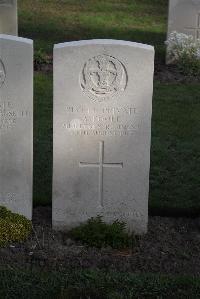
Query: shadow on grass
[[46, 36], [95, 284], [43, 144]]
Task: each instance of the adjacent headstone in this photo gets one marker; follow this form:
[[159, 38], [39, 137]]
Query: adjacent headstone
[[16, 124], [102, 128], [184, 17], [8, 17]]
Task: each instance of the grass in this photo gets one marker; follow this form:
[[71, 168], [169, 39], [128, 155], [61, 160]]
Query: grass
[[43, 122], [93, 284], [54, 21], [175, 159], [96, 233]]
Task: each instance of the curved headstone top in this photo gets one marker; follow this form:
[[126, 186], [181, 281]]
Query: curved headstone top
[[105, 42], [16, 39]]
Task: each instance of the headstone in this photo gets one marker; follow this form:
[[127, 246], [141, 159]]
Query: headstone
[[184, 17], [102, 129], [8, 17], [16, 124]]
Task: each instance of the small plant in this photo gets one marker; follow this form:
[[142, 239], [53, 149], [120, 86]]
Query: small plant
[[40, 59], [99, 234], [13, 227], [184, 51]]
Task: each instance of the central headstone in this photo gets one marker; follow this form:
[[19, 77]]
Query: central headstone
[[102, 129], [8, 17], [16, 124]]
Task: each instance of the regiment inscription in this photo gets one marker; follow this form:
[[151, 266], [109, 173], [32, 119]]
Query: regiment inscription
[[104, 120]]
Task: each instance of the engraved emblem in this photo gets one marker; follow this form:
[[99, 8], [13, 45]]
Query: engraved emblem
[[103, 77], [2, 73]]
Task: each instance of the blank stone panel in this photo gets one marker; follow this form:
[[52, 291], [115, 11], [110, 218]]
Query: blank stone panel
[[8, 17], [102, 129], [16, 124]]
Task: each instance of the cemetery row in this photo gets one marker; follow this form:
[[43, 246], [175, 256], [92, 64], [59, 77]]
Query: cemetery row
[[102, 128], [102, 123]]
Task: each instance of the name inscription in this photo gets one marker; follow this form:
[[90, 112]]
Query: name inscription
[[9, 115], [106, 121]]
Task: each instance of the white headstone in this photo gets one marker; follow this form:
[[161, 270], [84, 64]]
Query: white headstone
[[16, 124], [8, 17], [102, 128], [184, 17]]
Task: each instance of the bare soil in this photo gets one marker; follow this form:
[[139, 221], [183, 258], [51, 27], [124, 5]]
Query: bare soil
[[171, 74], [171, 246]]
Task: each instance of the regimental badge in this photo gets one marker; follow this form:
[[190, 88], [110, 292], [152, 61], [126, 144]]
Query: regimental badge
[[103, 77]]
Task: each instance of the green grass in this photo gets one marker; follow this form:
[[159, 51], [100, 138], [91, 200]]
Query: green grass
[[96, 233], [93, 284], [43, 122], [175, 159], [54, 21]]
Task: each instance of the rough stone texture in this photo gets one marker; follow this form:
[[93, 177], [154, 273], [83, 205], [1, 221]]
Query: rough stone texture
[[8, 17], [184, 17], [16, 124], [102, 127]]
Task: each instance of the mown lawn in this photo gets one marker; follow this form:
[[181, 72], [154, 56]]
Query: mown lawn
[[54, 21], [175, 158], [95, 284]]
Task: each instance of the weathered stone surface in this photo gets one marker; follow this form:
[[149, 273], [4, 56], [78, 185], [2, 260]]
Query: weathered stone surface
[[8, 17], [184, 17], [102, 128], [16, 124]]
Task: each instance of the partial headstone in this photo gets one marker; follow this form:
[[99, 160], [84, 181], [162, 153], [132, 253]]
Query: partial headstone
[[8, 17], [16, 124], [184, 17], [102, 129]]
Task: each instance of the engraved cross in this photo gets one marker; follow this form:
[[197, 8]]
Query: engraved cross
[[197, 28], [101, 165]]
